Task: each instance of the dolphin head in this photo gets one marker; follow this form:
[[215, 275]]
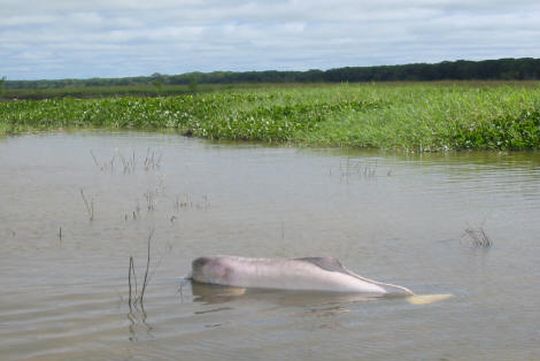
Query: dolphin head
[[209, 270]]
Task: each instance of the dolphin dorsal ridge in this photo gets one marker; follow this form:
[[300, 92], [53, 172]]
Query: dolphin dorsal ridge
[[330, 264]]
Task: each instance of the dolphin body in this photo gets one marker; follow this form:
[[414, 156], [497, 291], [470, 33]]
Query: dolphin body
[[301, 274]]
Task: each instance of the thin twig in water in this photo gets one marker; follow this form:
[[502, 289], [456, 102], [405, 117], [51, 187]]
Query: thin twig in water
[[94, 158], [146, 159], [89, 205], [150, 204], [134, 278], [134, 297], [177, 204], [183, 282], [169, 246], [145, 281], [130, 269]]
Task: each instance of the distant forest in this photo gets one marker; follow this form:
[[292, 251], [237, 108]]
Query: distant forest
[[501, 69]]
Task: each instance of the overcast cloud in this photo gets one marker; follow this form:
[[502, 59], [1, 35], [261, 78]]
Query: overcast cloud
[[113, 38]]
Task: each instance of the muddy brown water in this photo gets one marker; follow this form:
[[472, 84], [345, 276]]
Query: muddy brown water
[[394, 218]]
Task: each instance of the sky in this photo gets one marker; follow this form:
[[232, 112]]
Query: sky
[[52, 39]]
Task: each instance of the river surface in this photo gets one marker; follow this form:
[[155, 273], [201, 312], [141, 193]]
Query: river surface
[[75, 207]]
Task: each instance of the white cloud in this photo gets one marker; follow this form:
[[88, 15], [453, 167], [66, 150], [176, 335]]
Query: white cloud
[[70, 38]]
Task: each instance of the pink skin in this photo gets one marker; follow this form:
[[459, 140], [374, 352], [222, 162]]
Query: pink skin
[[315, 273]]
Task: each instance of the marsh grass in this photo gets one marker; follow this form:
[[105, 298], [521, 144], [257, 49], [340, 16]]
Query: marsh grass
[[477, 237], [128, 164], [182, 201], [150, 201], [104, 166], [152, 160], [412, 117], [358, 169]]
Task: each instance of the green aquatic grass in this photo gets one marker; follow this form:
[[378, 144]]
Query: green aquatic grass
[[405, 116]]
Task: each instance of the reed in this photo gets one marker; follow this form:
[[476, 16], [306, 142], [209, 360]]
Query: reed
[[134, 296], [477, 237], [89, 205], [150, 200], [146, 279], [104, 166], [131, 276], [128, 164]]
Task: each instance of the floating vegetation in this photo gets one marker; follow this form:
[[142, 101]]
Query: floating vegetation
[[413, 117]]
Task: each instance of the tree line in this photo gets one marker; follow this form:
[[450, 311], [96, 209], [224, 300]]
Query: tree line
[[500, 69]]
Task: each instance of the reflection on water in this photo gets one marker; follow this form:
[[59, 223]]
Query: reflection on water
[[397, 218], [213, 294]]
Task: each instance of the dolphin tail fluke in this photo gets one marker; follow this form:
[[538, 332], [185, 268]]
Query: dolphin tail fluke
[[428, 299]]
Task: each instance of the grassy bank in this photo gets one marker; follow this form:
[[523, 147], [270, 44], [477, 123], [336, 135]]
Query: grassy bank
[[404, 116], [100, 91]]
